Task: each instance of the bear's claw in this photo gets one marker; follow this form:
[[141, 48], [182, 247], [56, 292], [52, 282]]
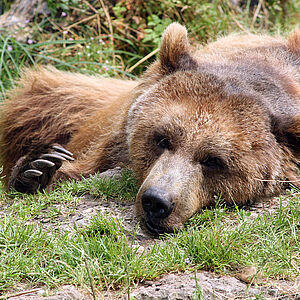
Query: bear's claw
[[36, 171], [63, 155], [55, 158], [32, 173], [42, 163], [62, 150]]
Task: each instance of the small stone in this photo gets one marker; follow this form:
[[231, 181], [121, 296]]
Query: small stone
[[250, 275]]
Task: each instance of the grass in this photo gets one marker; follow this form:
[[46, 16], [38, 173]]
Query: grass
[[88, 57], [73, 38], [222, 240], [123, 189]]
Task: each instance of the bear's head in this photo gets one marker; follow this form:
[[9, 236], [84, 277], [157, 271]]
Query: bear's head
[[192, 140]]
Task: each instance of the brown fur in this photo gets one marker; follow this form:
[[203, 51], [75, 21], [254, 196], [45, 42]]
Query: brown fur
[[50, 106], [227, 114]]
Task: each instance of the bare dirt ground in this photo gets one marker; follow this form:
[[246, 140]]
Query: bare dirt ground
[[169, 287], [176, 287]]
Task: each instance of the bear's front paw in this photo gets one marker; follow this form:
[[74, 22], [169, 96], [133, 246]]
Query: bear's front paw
[[36, 170]]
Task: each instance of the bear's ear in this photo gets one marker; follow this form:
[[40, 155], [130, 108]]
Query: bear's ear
[[175, 50], [287, 132]]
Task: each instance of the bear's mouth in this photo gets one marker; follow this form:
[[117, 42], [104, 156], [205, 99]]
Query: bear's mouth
[[156, 229]]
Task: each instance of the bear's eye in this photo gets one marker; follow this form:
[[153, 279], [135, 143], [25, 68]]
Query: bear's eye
[[163, 142], [212, 163]]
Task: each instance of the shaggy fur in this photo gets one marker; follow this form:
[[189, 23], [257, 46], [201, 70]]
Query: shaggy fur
[[224, 119]]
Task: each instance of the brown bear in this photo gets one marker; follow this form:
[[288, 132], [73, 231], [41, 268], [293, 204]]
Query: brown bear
[[220, 120]]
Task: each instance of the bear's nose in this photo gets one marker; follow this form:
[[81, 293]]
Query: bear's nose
[[157, 203]]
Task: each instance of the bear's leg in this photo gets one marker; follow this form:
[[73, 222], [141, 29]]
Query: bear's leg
[[37, 169]]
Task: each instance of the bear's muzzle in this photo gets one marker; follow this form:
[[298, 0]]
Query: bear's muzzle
[[157, 205]]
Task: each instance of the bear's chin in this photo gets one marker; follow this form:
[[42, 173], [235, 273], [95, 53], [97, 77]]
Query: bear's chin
[[159, 228]]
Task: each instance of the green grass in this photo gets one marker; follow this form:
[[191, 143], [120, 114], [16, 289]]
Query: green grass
[[87, 57], [123, 189], [68, 194], [270, 242], [115, 45], [222, 240]]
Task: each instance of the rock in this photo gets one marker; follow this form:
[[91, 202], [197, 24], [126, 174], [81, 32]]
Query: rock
[[207, 286], [112, 173], [250, 275]]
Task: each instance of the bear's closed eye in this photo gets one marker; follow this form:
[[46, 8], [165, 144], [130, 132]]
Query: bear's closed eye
[[212, 162], [163, 141]]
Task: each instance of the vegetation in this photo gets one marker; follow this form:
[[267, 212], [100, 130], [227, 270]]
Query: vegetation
[[97, 37], [221, 240]]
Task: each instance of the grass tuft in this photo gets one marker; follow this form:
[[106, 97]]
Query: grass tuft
[[124, 188]]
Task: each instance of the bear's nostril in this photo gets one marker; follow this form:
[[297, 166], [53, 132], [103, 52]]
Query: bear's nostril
[[157, 203], [147, 203]]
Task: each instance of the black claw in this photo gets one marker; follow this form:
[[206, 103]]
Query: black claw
[[67, 157], [40, 168], [53, 156], [42, 163], [62, 150], [31, 173]]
